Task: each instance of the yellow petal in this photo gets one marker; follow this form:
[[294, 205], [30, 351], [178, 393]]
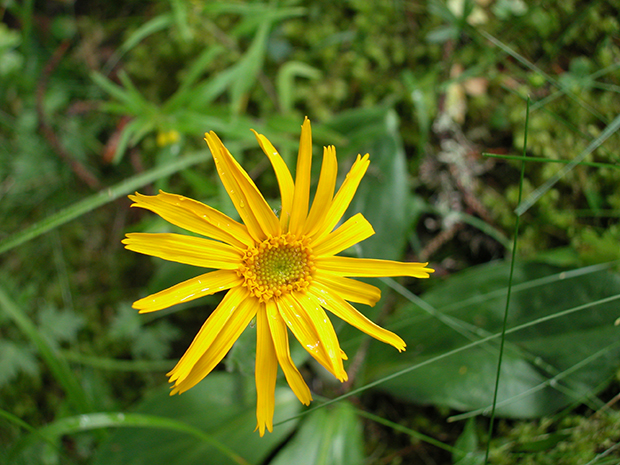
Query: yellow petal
[[345, 194], [345, 311], [265, 373], [285, 180], [220, 347], [325, 330], [279, 335], [301, 198], [228, 309], [185, 249], [371, 268], [352, 231], [303, 329], [324, 191], [194, 288], [249, 202], [196, 217], [348, 289]]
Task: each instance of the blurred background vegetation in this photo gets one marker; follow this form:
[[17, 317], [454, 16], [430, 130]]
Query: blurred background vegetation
[[99, 99]]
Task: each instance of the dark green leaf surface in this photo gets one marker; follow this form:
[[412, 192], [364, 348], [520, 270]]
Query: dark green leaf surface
[[546, 365], [222, 405], [329, 436]]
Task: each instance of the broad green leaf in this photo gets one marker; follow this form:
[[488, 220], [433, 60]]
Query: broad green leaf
[[221, 406], [566, 350], [54, 431], [383, 193], [329, 436], [242, 356]]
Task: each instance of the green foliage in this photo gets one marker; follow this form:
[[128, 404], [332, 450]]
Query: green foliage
[[101, 99], [59, 326], [16, 359], [561, 345], [572, 440], [145, 341], [223, 406], [468, 445], [330, 436]]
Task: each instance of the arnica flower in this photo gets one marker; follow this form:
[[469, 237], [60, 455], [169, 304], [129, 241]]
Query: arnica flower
[[283, 271]]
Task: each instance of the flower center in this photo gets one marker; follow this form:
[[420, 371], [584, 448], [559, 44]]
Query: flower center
[[276, 266]]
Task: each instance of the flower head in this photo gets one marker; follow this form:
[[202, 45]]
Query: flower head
[[283, 270]]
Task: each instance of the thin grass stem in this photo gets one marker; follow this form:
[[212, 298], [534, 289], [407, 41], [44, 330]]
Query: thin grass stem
[[540, 191], [414, 434], [510, 277], [552, 382], [550, 160]]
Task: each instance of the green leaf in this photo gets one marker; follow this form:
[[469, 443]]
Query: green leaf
[[241, 358], [190, 77], [566, 349], [329, 436], [116, 91], [153, 341], [383, 193], [147, 341], [59, 325], [57, 365], [87, 422], [286, 81], [159, 23], [221, 406], [15, 359], [467, 445], [249, 66], [130, 135]]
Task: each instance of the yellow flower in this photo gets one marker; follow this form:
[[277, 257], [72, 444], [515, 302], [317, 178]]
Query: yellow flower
[[283, 270]]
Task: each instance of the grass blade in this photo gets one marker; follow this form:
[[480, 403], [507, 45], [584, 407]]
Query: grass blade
[[94, 421], [551, 160], [512, 267], [57, 365], [101, 198]]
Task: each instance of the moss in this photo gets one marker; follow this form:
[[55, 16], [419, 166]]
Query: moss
[[574, 440]]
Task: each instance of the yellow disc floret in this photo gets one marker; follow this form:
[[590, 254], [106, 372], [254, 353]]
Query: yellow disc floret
[[276, 266]]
